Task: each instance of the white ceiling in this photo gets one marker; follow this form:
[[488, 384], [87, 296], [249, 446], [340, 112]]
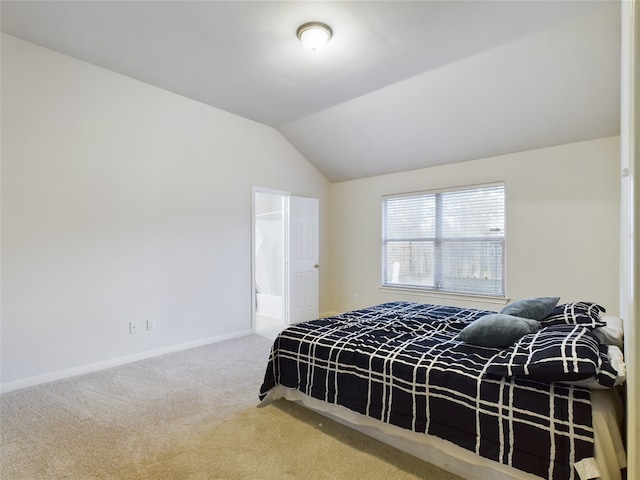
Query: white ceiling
[[402, 84]]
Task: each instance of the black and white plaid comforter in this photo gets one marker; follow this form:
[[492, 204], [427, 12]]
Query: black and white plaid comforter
[[400, 363]]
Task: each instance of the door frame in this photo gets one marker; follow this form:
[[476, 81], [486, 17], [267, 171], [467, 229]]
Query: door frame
[[285, 294]]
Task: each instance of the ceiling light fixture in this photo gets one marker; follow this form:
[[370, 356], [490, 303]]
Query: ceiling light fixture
[[314, 35]]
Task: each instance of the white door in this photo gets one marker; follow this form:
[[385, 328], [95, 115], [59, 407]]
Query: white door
[[303, 259]]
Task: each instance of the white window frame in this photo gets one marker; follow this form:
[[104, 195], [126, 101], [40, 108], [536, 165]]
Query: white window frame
[[438, 240]]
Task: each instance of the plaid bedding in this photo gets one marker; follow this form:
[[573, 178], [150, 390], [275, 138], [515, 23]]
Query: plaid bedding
[[400, 363]]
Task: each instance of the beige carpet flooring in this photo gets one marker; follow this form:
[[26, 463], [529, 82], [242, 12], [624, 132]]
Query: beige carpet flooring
[[185, 415]]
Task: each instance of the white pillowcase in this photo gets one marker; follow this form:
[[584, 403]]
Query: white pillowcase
[[617, 361], [612, 333]]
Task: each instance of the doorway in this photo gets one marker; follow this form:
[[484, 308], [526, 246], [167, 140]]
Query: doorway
[[269, 271]]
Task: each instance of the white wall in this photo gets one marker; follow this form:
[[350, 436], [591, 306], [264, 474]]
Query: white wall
[[562, 224], [270, 243], [123, 202]]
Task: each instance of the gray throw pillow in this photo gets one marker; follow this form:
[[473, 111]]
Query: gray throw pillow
[[535, 308], [497, 330]]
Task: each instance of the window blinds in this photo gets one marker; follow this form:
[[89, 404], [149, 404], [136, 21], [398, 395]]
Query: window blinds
[[451, 241]]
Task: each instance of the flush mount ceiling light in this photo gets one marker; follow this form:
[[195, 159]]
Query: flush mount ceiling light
[[314, 35]]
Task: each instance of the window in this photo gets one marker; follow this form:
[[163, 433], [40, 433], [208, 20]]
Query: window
[[450, 241]]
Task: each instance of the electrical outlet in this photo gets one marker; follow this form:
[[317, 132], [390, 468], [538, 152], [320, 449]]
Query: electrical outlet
[[133, 327], [151, 324], [355, 298]]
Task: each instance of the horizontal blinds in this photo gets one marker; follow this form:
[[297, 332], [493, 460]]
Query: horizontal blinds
[[452, 241], [410, 217], [477, 213]]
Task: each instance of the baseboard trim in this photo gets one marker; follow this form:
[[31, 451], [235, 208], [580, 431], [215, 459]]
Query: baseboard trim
[[114, 362]]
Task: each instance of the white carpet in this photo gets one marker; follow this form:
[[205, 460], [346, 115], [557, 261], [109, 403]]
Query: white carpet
[[185, 415]]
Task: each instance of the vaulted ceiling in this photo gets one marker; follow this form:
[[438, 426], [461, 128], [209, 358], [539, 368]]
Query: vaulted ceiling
[[401, 85]]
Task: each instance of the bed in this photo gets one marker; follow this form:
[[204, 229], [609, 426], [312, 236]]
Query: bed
[[465, 390]]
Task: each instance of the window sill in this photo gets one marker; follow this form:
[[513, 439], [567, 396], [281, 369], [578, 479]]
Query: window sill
[[444, 295]]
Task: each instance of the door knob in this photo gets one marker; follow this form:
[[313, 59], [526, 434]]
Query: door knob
[[317, 265]]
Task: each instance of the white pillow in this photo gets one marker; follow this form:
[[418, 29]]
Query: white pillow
[[612, 334], [617, 361]]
